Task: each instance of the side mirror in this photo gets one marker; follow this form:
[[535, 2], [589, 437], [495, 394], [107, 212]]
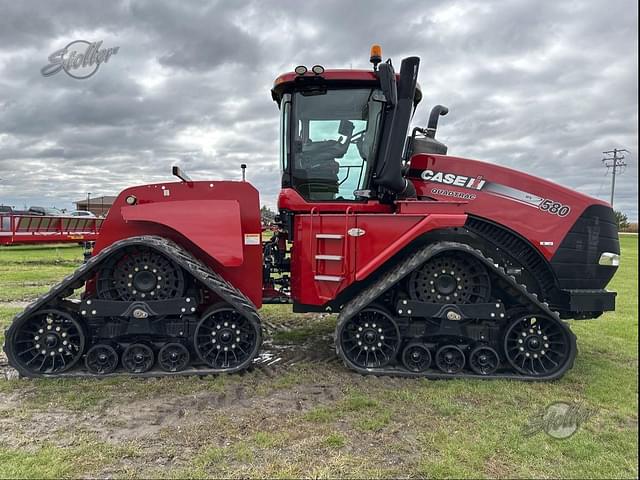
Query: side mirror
[[388, 83]]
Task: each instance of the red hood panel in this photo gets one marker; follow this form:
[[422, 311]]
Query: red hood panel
[[538, 209]]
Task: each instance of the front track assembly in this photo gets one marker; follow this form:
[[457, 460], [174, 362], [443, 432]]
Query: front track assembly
[[449, 312], [156, 311]]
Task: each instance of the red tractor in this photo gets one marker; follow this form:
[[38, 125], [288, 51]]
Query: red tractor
[[438, 266]]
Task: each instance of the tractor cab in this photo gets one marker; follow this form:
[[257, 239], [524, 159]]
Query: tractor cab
[[343, 132]]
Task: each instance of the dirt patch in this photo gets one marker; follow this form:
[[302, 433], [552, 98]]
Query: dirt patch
[[146, 418], [14, 304], [6, 372], [117, 420]]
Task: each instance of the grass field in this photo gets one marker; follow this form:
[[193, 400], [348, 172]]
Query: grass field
[[316, 419]]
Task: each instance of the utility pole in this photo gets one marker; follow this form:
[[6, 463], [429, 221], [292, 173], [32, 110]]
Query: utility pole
[[615, 162]]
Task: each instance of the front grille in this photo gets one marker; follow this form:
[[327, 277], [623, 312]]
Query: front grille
[[575, 263]]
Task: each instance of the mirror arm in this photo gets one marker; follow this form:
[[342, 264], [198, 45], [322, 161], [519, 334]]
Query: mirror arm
[[178, 172]]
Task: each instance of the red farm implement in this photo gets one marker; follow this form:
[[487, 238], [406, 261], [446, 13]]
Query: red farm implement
[[22, 229]]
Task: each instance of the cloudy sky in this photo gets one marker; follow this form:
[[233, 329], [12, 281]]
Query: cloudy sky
[[542, 86]]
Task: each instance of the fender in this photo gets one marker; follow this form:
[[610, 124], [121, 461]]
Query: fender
[[213, 225], [218, 222]]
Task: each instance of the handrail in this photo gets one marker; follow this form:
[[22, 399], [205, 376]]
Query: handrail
[[312, 238], [345, 247]]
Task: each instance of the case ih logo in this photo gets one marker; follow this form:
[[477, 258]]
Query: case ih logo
[[80, 59], [475, 183]]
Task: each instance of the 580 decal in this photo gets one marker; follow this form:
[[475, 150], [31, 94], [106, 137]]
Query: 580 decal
[[554, 208]]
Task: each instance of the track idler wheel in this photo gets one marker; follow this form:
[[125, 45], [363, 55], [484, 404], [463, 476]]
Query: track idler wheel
[[484, 360], [140, 273], [47, 342], [137, 358], [101, 359], [450, 277], [539, 346], [173, 357], [369, 339], [226, 340], [416, 357], [450, 359]]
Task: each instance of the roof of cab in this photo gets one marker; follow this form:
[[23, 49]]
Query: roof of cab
[[335, 76]]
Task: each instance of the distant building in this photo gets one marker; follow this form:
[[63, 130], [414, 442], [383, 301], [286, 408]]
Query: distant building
[[98, 205]]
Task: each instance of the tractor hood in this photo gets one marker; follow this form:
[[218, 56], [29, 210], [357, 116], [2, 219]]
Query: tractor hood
[[537, 209]]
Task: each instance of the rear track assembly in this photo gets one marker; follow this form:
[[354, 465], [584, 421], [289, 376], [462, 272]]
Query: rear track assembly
[[146, 318]]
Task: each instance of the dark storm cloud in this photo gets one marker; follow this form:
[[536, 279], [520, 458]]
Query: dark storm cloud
[[543, 87], [188, 32]]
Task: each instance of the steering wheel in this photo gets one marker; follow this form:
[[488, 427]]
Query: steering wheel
[[321, 157], [354, 137]]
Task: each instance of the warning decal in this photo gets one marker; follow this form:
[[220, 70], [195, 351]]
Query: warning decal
[[252, 239]]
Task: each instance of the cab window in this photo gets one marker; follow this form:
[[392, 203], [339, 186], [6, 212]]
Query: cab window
[[334, 142]]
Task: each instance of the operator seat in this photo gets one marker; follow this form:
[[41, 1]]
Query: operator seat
[[318, 177]]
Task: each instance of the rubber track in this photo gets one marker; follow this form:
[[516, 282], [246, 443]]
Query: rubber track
[[404, 268], [193, 266]]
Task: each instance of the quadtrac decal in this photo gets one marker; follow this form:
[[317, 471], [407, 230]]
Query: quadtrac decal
[[453, 193], [479, 183]]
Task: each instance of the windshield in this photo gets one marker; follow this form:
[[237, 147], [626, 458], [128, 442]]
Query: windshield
[[334, 142]]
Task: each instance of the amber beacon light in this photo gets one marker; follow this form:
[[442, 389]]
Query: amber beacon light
[[376, 55]]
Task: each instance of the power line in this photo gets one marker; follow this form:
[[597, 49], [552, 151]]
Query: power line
[[614, 162]]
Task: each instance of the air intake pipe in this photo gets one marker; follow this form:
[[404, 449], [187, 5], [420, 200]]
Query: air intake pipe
[[435, 114], [389, 174]]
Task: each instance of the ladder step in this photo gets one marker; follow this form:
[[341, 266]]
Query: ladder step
[[328, 278], [329, 257], [329, 236]]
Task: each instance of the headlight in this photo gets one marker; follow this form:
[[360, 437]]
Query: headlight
[[609, 259]]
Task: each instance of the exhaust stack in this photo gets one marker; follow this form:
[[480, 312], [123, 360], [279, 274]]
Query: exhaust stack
[[389, 171]]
